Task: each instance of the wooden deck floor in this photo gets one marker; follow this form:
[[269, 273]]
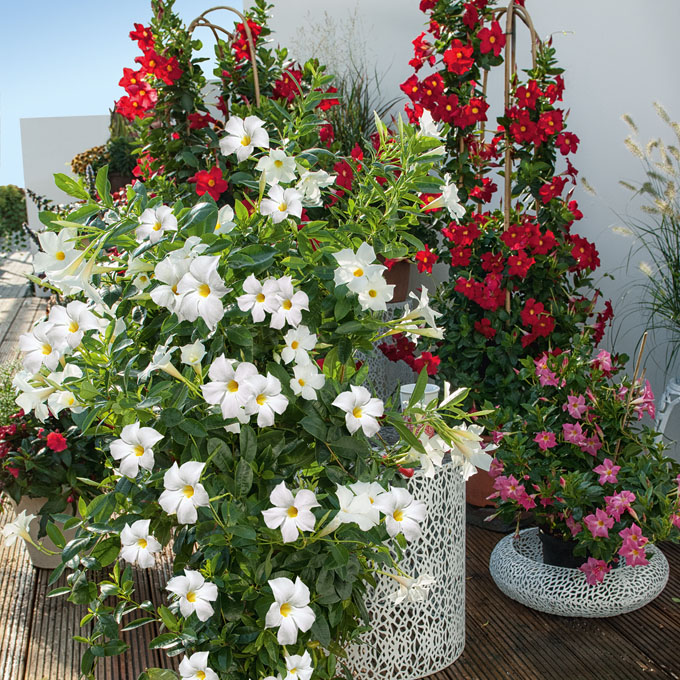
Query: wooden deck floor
[[503, 639]]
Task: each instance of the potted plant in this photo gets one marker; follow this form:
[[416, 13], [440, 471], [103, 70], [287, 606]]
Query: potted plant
[[12, 217], [44, 468], [578, 458]]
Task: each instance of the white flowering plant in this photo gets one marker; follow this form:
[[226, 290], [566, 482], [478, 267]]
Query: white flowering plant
[[215, 363]]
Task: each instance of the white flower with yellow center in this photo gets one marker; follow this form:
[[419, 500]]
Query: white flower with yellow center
[[195, 667], [290, 611], [201, 289], [466, 449], [307, 380], [403, 514], [243, 135], [61, 399], [40, 348], [259, 298], [293, 513], [225, 220], [292, 303], [356, 508], [169, 273], [71, 322], [435, 450], [412, 590], [277, 167], [154, 222], [35, 391], [299, 341], [449, 200], [299, 667], [134, 449], [310, 186], [230, 387], [280, 203], [375, 293], [19, 528], [194, 594], [354, 269], [138, 545], [361, 410], [59, 251], [266, 399], [193, 354], [183, 492]]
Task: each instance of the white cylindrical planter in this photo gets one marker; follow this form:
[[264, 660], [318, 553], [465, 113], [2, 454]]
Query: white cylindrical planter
[[406, 392], [416, 639]]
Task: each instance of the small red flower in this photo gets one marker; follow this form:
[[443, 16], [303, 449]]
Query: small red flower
[[532, 310], [358, 155], [460, 256], [520, 264], [567, 142], [491, 39], [198, 121], [428, 361], [171, 71], [458, 58], [528, 94], [551, 122], [56, 441], [133, 81], [329, 102], [152, 64], [485, 328], [142, 34], [542, 244], [211, 182], [493, 262], [544, 325], [411, 88], [287, 86], [425, 259], [552, 190], [327, 134], [345, 174]]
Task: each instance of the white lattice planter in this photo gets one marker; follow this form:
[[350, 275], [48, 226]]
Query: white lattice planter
[[516, 565], [415, 639]]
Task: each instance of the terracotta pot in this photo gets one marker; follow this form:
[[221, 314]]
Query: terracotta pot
[[399, 276], [478, 488], [39, 559], [118, 181]]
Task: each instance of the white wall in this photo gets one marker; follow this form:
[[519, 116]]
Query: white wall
[[619, 57], [47, 147]]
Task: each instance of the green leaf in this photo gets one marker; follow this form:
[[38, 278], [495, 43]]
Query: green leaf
[[103, 186], [55, 535], [70, 186], [164, 641], [110, 648], [168, 618], [158, 674], [321, 631], [138, 623], [193, 427], [107, 551], [419, 389], [313, 424], [59, 591], [248, 443], [243, 477], [239, 336]]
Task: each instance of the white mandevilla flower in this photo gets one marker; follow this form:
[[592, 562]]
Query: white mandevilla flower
[[428, 128], [466, 449], [298, 341], [280, 203], [292, 303], [161, 361], [70, 323], [361, 410], [230, 386], [299, 667], [259, 298], [141, 282], [310, 186], [138, 545], [183, 492], [375, 294], [40, 348], [307, 380], [61, 399], [243, 135], [201, 289], [35, 390], [277, 167], [195, 667], [449, 200], [435, 450], [403, 513], [59, 251], [169, 272], [354, 269], [154, 222], [412, 590], [19, 528], [266, 399], [291, 513], [195, 594], [193, 247], [134, 448], [357, 508], [225, 220], [290, 610], [192, 354]]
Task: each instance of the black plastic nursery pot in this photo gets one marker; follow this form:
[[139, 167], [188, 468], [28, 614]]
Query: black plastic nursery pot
[[558, 552]]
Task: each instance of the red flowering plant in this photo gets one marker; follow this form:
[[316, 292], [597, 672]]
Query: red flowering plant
[[516, 276], [582, 463]]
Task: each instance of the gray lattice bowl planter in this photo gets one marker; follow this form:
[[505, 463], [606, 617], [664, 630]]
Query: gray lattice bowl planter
[[516, 565], [416, 639]]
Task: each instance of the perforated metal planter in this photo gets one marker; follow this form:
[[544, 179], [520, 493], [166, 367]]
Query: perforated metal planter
[[516, 565], [416, 639]]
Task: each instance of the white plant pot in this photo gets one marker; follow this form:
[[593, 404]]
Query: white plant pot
[[416, 639], [39, 559], [517, 567]]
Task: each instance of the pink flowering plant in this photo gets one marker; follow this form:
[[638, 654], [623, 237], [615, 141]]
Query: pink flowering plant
[[582, 462]]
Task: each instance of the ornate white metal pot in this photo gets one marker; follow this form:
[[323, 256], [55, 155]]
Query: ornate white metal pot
[[415, 639], [517, 567]]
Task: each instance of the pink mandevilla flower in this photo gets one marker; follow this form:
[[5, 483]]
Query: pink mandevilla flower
[[591, 444], [545, 440], [607, 471], [633, 533], [619, 503], [634, 552], [603, 361], [573, 433], [599, 523], [595, 570], [574, 526], [576, 405]]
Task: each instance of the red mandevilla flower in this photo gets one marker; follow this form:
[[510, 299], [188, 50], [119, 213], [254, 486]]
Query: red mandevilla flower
[[210, 182], [458, 58], [491, 39], [567, 142], [425, 259], [485, 328], [56, 441], [171, 71], [152, 64], [142, 34]]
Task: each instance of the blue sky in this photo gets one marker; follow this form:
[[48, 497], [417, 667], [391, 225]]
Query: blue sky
[[66, 58]]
